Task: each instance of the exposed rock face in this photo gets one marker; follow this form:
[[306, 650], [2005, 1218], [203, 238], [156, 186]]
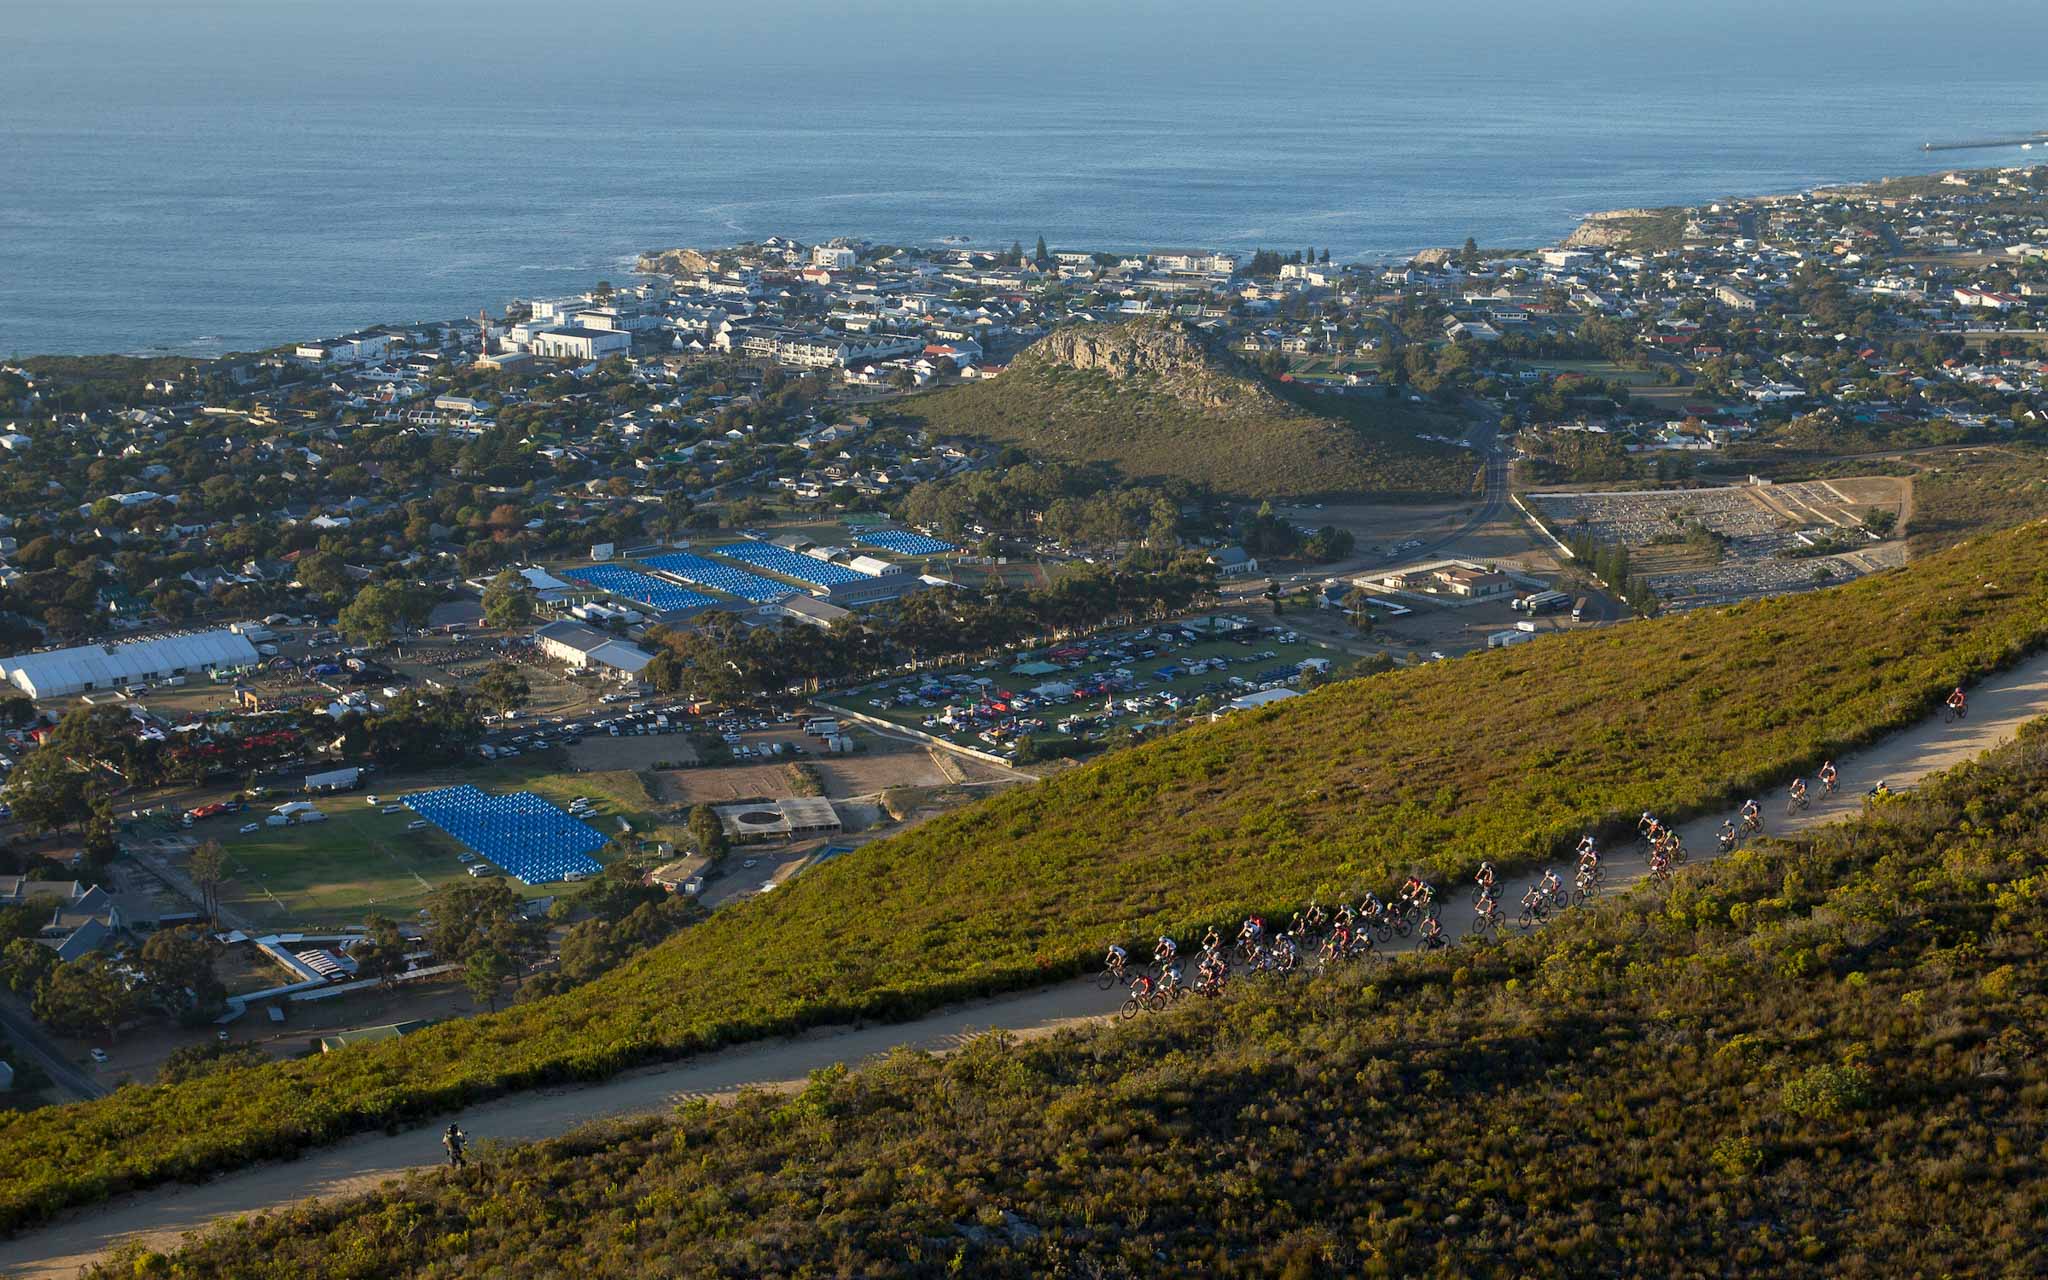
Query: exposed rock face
[[672, 262], [1161, 354], [1614, 229]]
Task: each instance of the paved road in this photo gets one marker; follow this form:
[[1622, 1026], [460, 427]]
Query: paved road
[[1998, 707], [21, 1031], [1494, 478]]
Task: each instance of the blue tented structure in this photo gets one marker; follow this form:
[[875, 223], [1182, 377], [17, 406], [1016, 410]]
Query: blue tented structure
[[529, 837]]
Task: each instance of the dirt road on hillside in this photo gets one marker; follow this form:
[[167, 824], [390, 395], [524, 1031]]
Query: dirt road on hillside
[[158, 1216]]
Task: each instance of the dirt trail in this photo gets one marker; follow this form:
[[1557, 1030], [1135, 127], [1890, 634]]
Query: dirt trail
[[158, 1216]]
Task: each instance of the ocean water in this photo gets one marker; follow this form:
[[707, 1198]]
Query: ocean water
[[220, 175]]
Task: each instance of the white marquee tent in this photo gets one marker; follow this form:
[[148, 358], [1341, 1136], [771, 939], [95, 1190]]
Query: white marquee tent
[[58, 672]]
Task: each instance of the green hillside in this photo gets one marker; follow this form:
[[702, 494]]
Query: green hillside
[[1818, 1059], [1154, 401], [1503, 755]]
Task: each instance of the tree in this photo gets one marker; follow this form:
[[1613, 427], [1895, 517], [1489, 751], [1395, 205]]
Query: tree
[[472, 915], [382, 954], [208, 867], [708, 832], [603, 293], [24, 964], [1468, 257], [501, 687], [100, 843], [17, 711], [485, 975], [85, 996], [323, 572], [177, 965], [192, 1061], [1272, 594], [1357, 601], [372, 617], [48, 792], [1042, 255], [508, 601]]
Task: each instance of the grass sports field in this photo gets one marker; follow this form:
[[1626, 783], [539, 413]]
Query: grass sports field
[[361, 860], [333, 872]]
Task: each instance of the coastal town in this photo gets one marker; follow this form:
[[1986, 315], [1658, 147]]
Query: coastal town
[[595, 615]]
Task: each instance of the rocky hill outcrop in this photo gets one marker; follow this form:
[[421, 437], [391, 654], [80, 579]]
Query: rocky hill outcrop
[[672, 262], [1163, 356], [1628, 229]]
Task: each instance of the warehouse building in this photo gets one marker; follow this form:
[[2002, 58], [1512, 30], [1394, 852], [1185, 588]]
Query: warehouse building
[[587, 649], [58, 673]]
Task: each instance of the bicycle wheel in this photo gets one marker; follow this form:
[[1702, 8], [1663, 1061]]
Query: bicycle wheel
[[1527, 920], [1105, 980], [1383, 931], [1156, 1002], [1131, 1008], [1401, 926], [1678, 857]]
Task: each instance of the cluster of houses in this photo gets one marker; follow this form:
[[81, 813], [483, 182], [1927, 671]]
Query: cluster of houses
[[1728, 306]]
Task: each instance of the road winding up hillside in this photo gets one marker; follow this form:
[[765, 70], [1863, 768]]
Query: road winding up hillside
[[158, 1216]]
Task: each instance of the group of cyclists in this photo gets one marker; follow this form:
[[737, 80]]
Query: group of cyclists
[[1347, 932], [1319, 935]]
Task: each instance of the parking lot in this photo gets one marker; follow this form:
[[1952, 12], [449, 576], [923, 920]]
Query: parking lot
[[1084, 688]]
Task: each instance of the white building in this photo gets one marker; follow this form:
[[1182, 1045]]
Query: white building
[[873, 566], [1194, 260], [356, 348], [586, 648], [61, 672], [580, 344], [834, 257]]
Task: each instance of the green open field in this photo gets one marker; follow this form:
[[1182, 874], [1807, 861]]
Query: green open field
[[1243, 660], [1642, 382], [361, 861], [333, 872]]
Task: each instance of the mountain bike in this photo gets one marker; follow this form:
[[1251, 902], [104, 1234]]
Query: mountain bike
[[1533, 914], [1111, 975], [1162, 997], [1795, 804]]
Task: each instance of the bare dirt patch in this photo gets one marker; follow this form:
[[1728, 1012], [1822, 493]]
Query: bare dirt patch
[[870, 774], [602, 751]]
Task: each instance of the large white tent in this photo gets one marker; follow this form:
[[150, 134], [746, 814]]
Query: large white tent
[[59, 672]]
